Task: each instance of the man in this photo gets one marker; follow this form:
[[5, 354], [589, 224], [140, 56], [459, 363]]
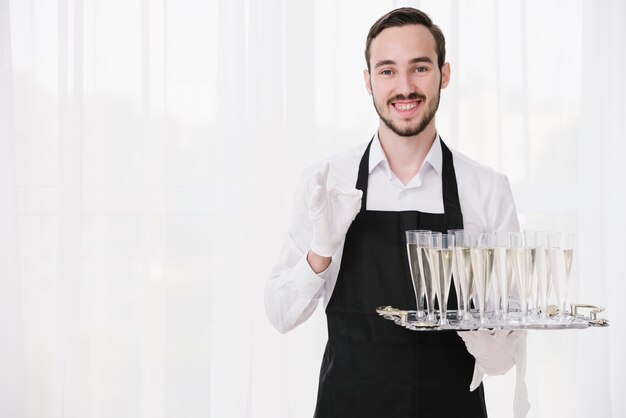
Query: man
[[346, 244]]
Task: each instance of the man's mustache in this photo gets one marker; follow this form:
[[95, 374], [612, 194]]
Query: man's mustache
[[412, 96]]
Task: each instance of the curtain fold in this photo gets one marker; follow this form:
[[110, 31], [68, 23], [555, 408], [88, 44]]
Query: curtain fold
[[602, 202], [11, 332]]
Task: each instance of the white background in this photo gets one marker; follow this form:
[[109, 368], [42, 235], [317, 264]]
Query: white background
[[148, 155]]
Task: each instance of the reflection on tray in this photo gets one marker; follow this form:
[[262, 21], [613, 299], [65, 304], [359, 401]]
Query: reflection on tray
[[409, 320]]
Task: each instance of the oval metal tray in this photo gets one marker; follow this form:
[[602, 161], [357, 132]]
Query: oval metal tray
[[409, 320]]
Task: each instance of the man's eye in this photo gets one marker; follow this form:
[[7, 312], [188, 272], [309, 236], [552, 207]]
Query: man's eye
[[421, 69], [386, 72]]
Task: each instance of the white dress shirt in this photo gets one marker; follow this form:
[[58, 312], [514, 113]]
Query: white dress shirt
[[293, 290]]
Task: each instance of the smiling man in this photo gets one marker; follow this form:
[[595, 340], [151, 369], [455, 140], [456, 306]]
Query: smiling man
[[346, 244], [406, 80]]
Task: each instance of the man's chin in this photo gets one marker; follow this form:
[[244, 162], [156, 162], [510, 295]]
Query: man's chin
[[406, 131]]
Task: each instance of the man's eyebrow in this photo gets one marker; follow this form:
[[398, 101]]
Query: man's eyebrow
[[413, 61], [384, 62], [421, 59]]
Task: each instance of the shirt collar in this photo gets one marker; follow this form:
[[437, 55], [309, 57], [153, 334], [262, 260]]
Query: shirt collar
[[434, 157]]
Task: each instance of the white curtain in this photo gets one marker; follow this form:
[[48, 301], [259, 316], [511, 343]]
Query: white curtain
[[148, 155]]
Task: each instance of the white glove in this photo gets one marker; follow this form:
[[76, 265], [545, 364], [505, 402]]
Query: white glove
[[331, 211], [494, 351]]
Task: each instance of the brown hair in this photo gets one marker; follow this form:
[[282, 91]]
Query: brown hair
[[402, 17]]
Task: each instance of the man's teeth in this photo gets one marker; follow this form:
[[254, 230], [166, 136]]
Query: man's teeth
[[405, 106]]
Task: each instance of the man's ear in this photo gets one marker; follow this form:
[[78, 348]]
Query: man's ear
[[368, 81], [445, 75]]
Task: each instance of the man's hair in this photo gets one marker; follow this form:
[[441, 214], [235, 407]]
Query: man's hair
[[402, 17]]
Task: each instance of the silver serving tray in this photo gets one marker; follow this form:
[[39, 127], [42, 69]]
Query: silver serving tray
[[571, 320]]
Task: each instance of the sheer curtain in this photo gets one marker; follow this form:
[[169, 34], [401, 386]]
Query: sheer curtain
[[148, 155]]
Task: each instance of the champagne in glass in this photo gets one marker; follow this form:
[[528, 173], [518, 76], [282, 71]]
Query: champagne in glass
[[464, 268], [431, 272], [417, 276], [533, 291], [519, 257], [460, 307], [541, 273], [482, 253], [561, 249], [503, 272], [443, 257], [494, 284]]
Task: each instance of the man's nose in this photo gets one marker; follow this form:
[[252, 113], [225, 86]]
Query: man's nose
[[405, 85]]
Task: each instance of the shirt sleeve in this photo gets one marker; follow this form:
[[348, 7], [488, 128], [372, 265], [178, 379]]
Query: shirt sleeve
[[293, 289], [503, 216]]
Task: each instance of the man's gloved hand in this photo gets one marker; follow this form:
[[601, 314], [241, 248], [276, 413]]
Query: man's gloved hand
[[494, 351], [332, 211]]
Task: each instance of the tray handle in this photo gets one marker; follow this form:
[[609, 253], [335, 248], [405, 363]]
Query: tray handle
[[593, 313]]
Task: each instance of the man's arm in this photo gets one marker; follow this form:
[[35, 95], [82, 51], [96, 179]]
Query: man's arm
[[294, 288], [322, 216]]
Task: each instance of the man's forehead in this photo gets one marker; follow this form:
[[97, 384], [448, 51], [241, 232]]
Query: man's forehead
[[400, 41]]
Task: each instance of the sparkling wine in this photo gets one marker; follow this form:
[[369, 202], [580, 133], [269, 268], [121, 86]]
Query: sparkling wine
[[444, 258], [482, 266], [469, 274], [429, 284], [519, 260], [561, 265], [568, 255], [416, 275], [466, 277], [457, 283], [444, 261], [533, 295], [503, 277], [541, 274], [490, 254]]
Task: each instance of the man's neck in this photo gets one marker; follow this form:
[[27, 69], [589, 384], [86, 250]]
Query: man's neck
[[406, 154]]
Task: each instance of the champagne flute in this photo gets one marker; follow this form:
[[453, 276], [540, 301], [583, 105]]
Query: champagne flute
[[443, 246], [533, 291], [464, 267], [430, 267], [503, 272], [541, 273], [460, 307], [414, 265], [520, 257], [482, 255], [561, 249]]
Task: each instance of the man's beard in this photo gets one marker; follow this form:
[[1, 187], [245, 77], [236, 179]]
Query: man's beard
[[411, 130]]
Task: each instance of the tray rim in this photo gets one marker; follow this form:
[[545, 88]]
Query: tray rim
[[403, 318]]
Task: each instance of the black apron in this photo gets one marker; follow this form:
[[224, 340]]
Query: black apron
[[373, 368]]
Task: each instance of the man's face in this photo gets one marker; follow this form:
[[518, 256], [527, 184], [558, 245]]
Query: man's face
[[404, 78]]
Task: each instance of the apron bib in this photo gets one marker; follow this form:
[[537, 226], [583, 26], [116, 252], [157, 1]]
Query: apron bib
[[371, 367]]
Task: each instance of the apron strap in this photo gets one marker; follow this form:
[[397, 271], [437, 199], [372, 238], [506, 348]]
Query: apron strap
[[363, 176], [451, 204]]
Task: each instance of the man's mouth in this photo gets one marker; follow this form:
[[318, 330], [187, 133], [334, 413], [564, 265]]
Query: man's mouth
[[406, 108]]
